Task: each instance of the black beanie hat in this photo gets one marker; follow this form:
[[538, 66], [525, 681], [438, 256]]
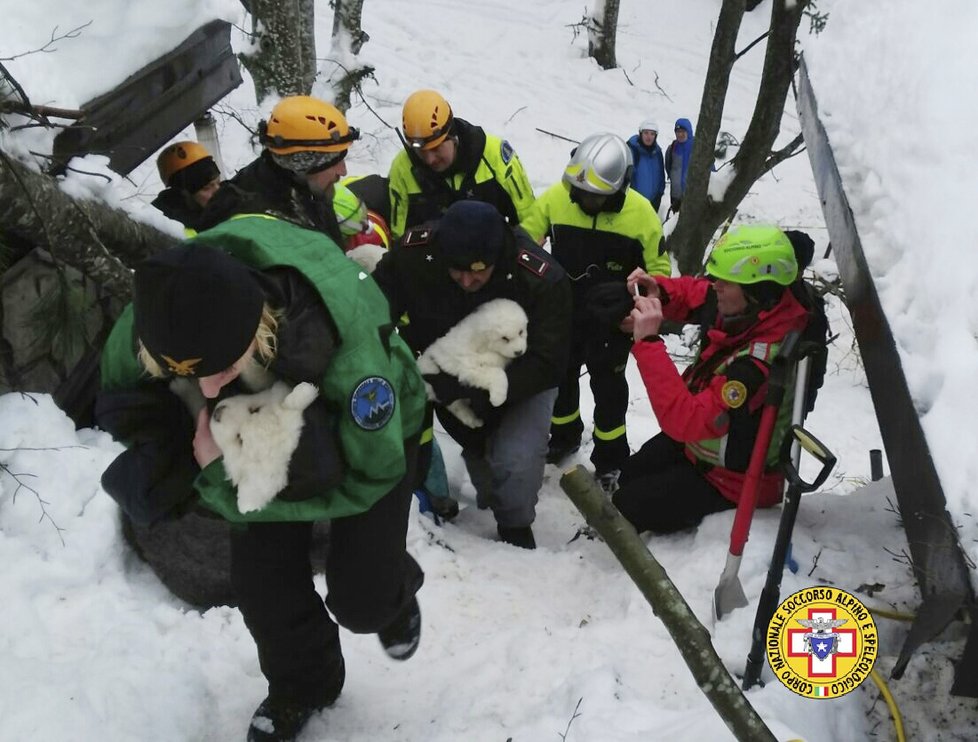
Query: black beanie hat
[[194, 177], [609, 303], [804, 247], [196, 309], [471, 235], [763, 293]]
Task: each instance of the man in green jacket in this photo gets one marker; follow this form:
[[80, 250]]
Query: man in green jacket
[[600, 230], [254, 301], [446, 159]]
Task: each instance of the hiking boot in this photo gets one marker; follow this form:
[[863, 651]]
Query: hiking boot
[[277, 720], [520, 536], [608, 481], [401, 638], [558, 450], [444, 507]]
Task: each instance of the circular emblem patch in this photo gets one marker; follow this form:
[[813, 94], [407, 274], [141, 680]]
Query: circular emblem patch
[[821, 642], [734, 394], [372, 403]]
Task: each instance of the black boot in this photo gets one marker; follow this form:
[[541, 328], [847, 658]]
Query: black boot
[[520, 536], [558, 450], [400, 640], [277, 720]]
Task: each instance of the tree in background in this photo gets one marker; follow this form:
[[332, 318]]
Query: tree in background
[[704, 211], [284, 61], [602, 29], [348, 39]]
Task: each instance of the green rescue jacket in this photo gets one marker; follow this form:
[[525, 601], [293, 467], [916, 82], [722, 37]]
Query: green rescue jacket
[[372, 384]]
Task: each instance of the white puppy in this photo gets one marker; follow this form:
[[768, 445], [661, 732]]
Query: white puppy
[[257, 434], [476, 351]]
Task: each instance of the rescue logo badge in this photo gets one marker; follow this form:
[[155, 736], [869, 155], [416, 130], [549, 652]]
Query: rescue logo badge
[[734, 394], [821, 642], [372, 403]]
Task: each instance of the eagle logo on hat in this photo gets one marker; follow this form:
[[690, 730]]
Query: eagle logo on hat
[[181, 368]]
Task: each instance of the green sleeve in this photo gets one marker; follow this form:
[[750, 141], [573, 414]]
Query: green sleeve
[[119, 366], [537, 219], [400, 179]]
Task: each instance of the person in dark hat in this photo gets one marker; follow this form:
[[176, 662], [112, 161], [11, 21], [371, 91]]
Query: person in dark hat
[[191, 177], [205, 325], [439, 273], [305, 142]]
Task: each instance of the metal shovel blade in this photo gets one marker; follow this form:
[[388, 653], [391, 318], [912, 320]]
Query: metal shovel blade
[[729, 593]]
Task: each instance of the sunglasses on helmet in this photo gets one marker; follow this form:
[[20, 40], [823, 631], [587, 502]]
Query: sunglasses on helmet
[[352, 135]]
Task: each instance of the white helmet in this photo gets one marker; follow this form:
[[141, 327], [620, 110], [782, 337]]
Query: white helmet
[[601, 164], [648, 125]]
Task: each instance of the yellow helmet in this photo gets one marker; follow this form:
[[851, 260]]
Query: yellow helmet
[[426, 119], [301, 123], [178, 156]]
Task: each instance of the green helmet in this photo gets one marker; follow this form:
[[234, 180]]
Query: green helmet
[[753, 253], [351, 212]]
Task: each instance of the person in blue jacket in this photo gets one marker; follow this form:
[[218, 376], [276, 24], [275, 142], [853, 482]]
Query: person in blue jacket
[[649, 177], [677, 161]]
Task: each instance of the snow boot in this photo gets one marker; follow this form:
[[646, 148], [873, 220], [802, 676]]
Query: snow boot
[[278, 720], [608, 481], [401, 638], [519, 536]]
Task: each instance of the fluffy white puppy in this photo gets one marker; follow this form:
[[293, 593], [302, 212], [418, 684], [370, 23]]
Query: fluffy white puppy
[[367, 256], [257, 434], [476, 351]]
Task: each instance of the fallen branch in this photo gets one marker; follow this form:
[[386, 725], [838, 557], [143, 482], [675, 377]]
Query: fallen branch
[[556, 136], [690, 636]]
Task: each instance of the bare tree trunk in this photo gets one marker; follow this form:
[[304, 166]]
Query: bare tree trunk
[[700, 215], [285, 62], [348, 39], [602, 33], [690, 636]]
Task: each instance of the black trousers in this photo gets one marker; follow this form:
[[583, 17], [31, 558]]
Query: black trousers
[[370, 579], [605, 362], [661, 490]]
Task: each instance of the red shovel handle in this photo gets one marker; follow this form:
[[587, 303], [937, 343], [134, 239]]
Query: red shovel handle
[[752, 481]]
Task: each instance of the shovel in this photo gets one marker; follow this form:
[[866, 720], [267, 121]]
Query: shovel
[[729, 593], [771, 593]]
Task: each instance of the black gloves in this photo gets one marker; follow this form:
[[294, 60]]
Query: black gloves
[[448, 388]]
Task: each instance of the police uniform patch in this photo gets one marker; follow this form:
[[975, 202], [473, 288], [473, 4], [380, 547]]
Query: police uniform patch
[[417, 237], [372, 403], [533, 263], [734, 394], [506, 152]]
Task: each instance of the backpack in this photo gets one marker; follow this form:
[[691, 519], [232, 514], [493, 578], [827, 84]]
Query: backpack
[[814, 339]]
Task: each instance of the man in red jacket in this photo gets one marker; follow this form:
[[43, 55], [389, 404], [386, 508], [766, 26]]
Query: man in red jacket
[[710, 415]]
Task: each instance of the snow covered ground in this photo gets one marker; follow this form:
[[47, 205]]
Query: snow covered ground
[[558, 642]]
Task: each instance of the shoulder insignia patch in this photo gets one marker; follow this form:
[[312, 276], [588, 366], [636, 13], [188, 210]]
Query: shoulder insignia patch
[[506, 152], [372, 403], [417, 237], [533, 263], [734, 394]]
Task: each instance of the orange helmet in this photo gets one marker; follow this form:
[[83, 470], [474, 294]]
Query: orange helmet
[[178, 156], [301, 123], [426, 119]]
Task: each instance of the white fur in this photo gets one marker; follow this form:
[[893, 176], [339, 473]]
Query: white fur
[[257, 434], [477, 351], [367, 256]]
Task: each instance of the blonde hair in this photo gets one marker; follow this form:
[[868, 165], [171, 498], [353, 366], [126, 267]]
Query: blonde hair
[[266, 343]]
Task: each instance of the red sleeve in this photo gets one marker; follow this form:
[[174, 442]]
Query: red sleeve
[[682, 415], [685, 293]]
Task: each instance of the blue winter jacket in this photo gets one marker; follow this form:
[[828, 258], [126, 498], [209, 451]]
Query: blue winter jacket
[[677, 160], [649, 177]]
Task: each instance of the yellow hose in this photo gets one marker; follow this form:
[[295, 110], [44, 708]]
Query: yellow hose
[[890, 704]]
